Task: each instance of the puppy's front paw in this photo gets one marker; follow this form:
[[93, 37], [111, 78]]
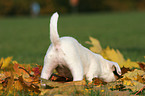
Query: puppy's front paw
[[43, 85]]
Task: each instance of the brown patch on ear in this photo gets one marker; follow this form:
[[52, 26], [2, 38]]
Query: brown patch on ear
[[113, 68]]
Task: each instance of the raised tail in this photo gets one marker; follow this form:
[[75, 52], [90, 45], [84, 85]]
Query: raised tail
[[54, 37]]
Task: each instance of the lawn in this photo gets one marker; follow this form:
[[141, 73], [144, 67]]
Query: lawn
[[27, 39]]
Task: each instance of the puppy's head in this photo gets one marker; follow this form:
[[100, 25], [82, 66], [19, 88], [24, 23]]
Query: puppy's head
[[112, 72]]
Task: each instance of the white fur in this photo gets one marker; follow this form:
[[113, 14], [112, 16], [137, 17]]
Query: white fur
[[67, 52]]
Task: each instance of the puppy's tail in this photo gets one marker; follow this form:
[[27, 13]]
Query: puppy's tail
[[54, 37]]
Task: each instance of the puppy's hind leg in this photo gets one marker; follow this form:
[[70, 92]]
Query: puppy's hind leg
[[76, 69]]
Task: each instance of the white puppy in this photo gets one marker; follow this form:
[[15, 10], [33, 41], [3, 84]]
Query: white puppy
[[72, 60]]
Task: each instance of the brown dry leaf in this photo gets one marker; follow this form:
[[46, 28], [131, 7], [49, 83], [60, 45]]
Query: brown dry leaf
[[142, 65], [124, 70], [29, 86], [18, 77], [98, 81]]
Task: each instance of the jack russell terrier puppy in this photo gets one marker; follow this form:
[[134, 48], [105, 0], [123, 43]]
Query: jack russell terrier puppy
[[72, 60]]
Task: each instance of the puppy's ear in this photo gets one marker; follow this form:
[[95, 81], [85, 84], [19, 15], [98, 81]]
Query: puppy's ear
[[115, 67]]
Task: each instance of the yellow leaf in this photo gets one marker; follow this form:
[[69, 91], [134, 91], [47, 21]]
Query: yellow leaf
[[139, 78], [31, 94], [6, 62], [134, 75], [136, 86], [129, 64], [102, 90], [116, 56], [113, 55], [128, 82], [14, 62], [96, 47]]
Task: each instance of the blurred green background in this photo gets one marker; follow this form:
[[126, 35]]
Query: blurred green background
[[119, 24]]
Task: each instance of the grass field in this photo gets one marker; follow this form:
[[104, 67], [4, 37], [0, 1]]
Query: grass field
[[27, 39]]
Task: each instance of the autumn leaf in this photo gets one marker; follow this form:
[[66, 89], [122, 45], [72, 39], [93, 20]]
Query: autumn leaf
[[113, 55], [96, 47], [142, 65], [135, 86], [98, 81], [9, 84], [18, 86], [29, 86], [139, 78], [37, 70], [6, 62], [129, 64], [134, 80], [134, 75], [18, 77], [124, 70]]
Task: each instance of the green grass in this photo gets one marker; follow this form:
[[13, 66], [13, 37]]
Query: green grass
[[27, 39]]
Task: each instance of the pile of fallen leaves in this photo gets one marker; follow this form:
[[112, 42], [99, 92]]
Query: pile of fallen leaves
[[133, 72], [16, 78]]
